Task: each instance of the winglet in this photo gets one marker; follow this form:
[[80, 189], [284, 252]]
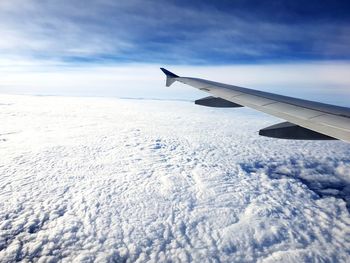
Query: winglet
[[170, 77]]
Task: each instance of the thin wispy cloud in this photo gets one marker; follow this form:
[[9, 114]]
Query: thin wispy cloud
[[105, 47], [195, 33]]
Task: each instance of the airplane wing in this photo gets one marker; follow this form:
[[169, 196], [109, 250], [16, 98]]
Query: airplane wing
[[306, 120]]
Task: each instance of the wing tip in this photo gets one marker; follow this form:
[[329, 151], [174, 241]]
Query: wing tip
[[168, 73], [170, 77]]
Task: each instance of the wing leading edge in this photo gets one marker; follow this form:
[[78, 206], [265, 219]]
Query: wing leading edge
[[307, 119]]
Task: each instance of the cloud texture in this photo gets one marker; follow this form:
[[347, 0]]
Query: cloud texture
[[111, 180]]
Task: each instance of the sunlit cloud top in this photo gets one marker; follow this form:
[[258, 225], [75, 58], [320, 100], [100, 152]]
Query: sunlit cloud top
[[174, 32]]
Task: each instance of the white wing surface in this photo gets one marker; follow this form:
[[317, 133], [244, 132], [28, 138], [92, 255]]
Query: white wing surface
[[306, 119]]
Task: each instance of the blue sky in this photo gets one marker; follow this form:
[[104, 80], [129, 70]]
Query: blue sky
[[43, 36], [177, 32]]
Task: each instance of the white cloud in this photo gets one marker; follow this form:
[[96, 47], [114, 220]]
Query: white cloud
[[104, 179]]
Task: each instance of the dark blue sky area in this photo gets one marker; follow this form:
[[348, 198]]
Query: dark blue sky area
[[176, 32], [279, 10]]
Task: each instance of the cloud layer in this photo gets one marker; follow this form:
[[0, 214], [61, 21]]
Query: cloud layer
[[88, 179]]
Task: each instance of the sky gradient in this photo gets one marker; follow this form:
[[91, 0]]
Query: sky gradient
[[180, 32], [46, 36]]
